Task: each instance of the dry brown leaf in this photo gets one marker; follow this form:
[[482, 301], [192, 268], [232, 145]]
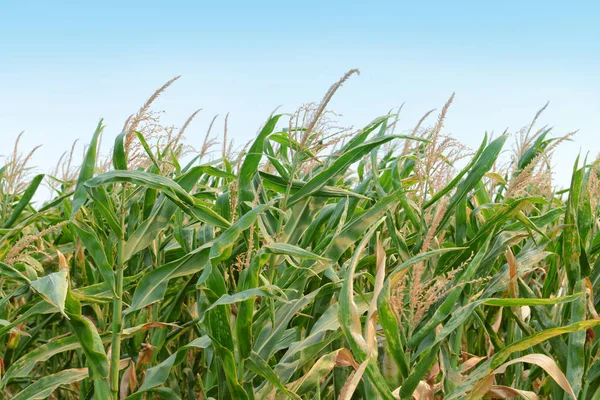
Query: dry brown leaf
[[345, 359], [505, 392], [498, 321], [470, 363], [353, 381], [537, 384], [371, 322], [513, 267], [544, 362], [433, 373], [145, 355], [128, 381], [423, 391], [482, 387], [62, 261]]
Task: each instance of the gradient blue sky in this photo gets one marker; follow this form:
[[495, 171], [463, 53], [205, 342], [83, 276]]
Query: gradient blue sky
[[63, 65]]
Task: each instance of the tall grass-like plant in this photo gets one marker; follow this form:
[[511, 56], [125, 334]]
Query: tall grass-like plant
[[315, 263]]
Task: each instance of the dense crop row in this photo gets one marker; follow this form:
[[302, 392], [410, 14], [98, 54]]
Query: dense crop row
[[316, 263]]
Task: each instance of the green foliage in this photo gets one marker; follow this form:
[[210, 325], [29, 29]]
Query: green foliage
[[302, 269]]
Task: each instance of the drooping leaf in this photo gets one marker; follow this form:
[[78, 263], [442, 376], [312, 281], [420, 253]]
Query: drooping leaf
[[53, 288]]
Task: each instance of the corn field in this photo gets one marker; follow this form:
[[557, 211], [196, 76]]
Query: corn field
[[316, 262]]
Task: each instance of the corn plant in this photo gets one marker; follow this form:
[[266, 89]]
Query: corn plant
[[316, 263]]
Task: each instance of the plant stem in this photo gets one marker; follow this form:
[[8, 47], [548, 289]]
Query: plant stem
[[118, 307]]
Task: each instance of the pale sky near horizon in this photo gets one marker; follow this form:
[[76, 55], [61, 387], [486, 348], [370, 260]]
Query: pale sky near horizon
[[65, 65]]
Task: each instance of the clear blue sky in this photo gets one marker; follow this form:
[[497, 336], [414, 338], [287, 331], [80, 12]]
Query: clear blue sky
[[63, 65]]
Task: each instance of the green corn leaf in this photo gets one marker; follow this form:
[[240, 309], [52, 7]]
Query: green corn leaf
[[260, 367], [44, 387], [280, 185], [339, 165], [53, 288], [452, 184], [88, 337], [24, 201], [153, 285], [250, 164], [86, 172], [94, 247], [478, 170], [119, 157], [170, 188]]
